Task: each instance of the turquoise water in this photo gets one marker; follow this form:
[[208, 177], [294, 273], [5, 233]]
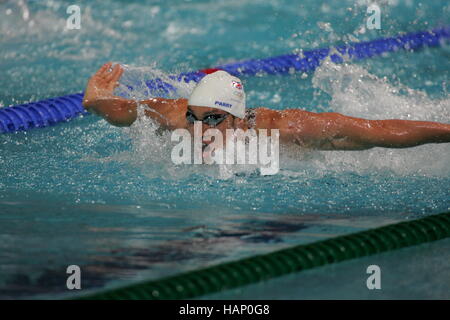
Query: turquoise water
[[109, 199]]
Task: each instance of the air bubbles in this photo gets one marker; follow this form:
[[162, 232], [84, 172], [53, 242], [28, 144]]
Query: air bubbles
[[326, 26]]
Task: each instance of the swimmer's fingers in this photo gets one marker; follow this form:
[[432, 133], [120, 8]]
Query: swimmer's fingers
[[103, 71], [113, 79], [118, 73], [117, 77], [115, 74], [105, 67]]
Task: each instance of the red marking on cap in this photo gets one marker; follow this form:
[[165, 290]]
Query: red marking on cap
[[210, 70], [237, 85]]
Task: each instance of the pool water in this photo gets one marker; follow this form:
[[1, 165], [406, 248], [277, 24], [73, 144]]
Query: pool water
[[110, 200]]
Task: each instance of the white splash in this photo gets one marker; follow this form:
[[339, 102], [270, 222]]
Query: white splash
[[356, 92]]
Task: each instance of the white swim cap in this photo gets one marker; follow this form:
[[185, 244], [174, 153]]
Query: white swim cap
[[222, 91]]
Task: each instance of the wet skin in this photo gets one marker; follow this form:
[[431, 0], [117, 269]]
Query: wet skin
[[323, 131]]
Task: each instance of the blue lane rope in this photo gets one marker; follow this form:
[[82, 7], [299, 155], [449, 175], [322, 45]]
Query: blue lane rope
[[41, 114], [51, 111]]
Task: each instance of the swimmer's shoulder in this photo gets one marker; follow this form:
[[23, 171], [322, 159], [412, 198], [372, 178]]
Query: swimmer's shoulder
[[266, 118], [170, 112], [262, 118], [164, 102]]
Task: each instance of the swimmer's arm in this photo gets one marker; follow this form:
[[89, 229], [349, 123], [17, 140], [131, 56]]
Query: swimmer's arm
[[100, 99], [122, 112], [334, 131]]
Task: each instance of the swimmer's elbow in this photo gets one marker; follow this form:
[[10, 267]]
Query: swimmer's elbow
[[120, 119], [119, 123]]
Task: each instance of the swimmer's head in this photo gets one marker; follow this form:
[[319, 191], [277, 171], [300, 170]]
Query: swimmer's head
[[220, 90]]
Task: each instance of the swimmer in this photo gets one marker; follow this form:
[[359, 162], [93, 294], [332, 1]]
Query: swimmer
[[218, 101]]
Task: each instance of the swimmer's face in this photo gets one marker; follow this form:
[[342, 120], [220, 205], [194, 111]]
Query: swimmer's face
[[210, 118]]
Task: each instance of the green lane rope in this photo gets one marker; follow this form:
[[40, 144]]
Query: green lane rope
[[301, 257]]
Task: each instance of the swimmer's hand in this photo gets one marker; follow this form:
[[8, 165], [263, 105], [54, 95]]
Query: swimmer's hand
[[102, 84], [99, 97]]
